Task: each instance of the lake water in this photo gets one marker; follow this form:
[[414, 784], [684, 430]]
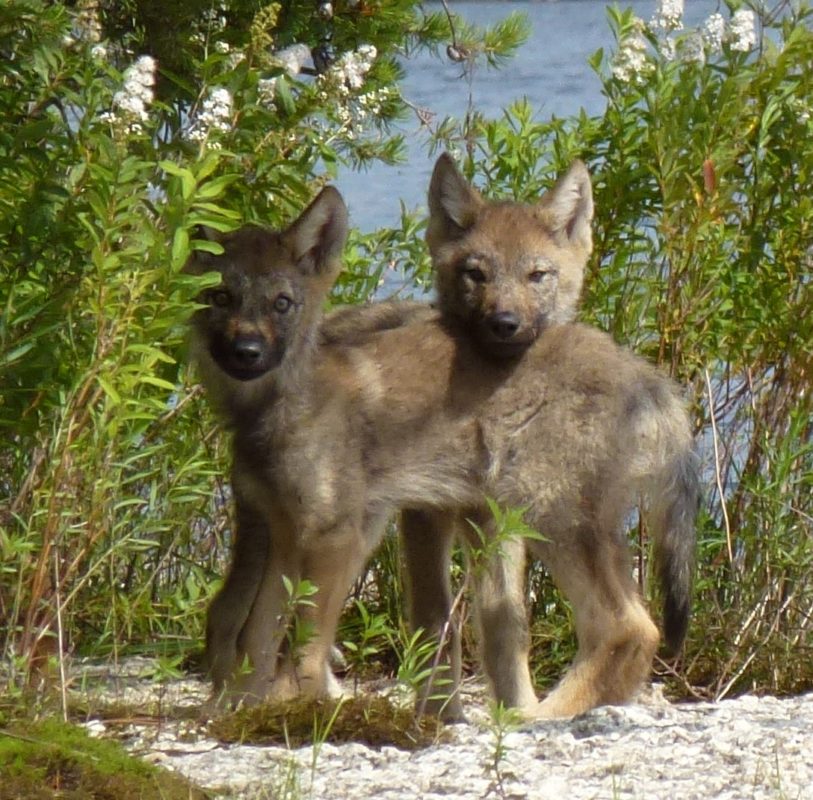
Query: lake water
[[550, 69]]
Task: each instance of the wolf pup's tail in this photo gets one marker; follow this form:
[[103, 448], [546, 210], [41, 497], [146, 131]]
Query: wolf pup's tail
[[676, 502]]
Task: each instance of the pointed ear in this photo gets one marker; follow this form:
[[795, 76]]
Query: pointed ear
[[569, 206], [318, 236], [453, 204]]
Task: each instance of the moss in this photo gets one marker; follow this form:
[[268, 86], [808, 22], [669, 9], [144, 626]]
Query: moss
[[50, 759], [369, 719]]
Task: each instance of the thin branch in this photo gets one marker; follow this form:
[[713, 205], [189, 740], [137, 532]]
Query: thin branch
[[717, 470]]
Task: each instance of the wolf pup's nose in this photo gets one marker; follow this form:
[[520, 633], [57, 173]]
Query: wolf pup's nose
[[248, 350], [504, 324]]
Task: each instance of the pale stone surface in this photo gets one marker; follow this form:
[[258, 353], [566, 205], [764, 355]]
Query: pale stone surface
[[749, 747]]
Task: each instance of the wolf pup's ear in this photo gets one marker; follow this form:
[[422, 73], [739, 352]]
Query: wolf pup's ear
[[568, 207], [318, 236], [454, 205]]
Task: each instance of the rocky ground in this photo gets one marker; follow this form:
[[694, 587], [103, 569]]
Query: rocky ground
[[743, 748]]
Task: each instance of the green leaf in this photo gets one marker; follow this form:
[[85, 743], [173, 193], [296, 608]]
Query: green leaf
[[214, 188], [109, 389]]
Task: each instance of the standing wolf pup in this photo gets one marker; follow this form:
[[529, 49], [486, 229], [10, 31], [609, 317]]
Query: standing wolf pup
[[330, 439], [504, 271]]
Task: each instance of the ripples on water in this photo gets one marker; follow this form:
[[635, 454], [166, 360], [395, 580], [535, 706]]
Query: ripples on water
[[550, 69]]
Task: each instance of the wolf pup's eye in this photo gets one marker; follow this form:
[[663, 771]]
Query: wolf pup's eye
[[538, 275], [219, 297], [282, 304]]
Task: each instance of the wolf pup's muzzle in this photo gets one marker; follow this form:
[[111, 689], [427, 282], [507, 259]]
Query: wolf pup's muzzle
[[502, 334], [245, 357]]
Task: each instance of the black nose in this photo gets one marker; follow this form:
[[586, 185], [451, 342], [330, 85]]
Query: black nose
[[248, 350], [504, 324]]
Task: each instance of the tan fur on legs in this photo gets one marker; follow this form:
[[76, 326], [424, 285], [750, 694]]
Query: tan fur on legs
[[264, 631], [617, 639], [498, 577], [426, 540], [330, 562]]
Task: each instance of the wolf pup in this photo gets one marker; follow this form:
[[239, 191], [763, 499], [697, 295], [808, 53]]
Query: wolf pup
[[331, 438], [504, 271]]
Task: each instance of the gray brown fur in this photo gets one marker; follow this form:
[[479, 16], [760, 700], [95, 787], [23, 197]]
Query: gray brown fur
[[330, 439]]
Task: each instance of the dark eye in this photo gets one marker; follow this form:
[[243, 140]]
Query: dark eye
[[282, 303], [537, 276], [219, 297], [475, 274]]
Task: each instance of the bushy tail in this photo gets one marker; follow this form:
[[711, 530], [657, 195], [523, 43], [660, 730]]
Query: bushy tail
[[676, 502]]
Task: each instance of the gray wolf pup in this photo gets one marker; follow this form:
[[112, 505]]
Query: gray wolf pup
[[505, 272], [331, 437]]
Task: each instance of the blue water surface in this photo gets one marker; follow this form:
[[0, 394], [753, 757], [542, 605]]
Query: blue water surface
[[550, 69]]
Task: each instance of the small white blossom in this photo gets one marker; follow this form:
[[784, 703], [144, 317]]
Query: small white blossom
[[99, 52], [222, 47], [235, 58], [371, 102], [366, 54], [668, 48], [139, 80], [215, 21], [86, 25], [214, 116], [668, 16], [352, 66], [293, 58], [742, 30], [130, 103], [631, 62], [692, 48], [713, 32]]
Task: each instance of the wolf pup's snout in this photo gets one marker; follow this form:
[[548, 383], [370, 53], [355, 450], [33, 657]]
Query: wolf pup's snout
[[245, 357], [248, 351], [504, 324]]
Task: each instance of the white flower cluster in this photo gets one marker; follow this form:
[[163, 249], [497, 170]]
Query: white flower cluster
[[371, 102], [694, 46], [214, 116], [713, 32], [343, 80], [630, 62], [668, 16], [742, 33], [86, 24], [130, 103], [350, 69]]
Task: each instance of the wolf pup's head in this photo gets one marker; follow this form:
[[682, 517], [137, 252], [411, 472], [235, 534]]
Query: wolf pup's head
[[507, 270], [271, 291]]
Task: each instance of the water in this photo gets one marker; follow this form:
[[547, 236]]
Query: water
[[550, 69]]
